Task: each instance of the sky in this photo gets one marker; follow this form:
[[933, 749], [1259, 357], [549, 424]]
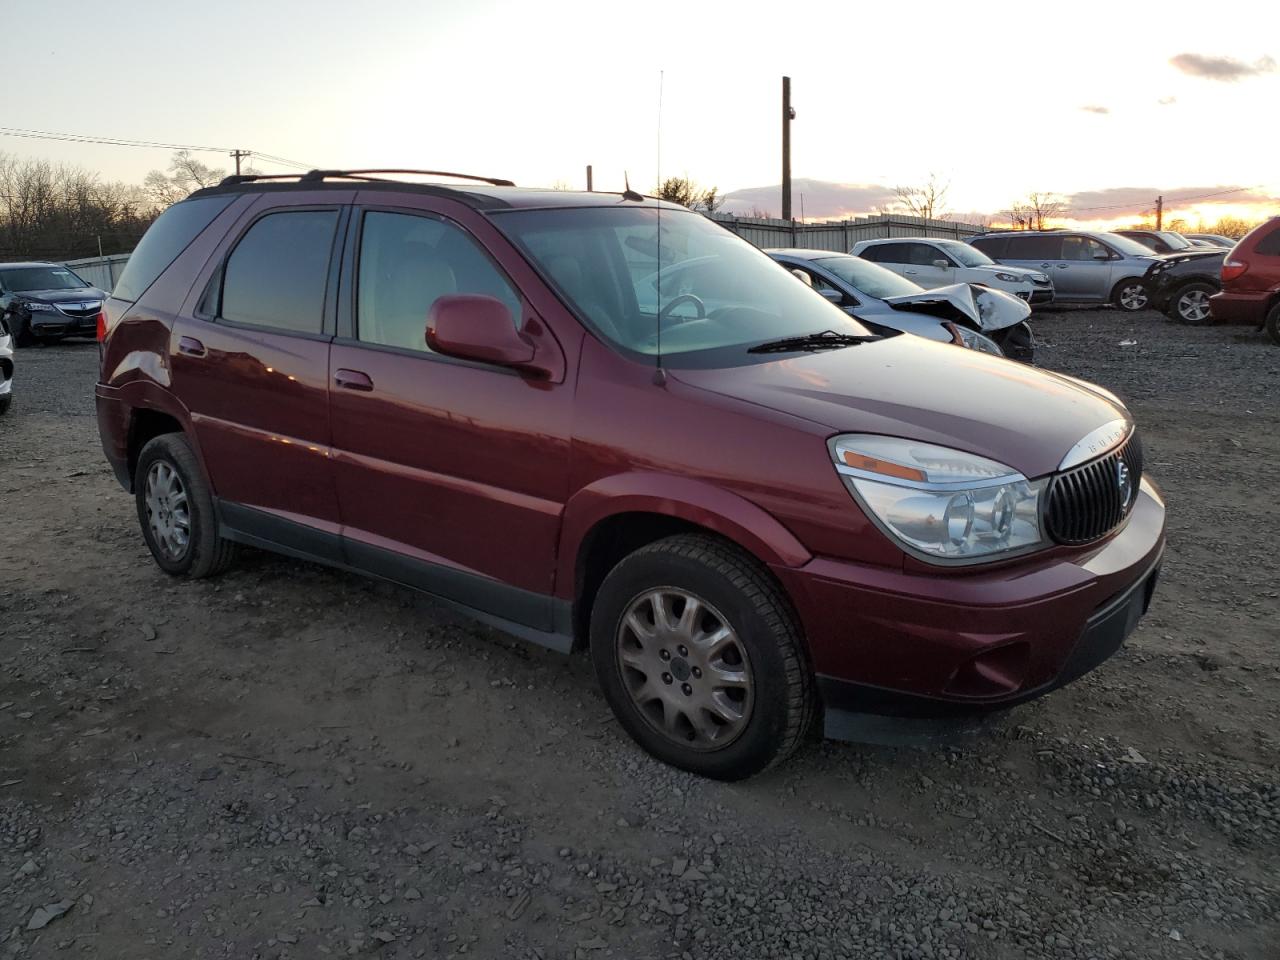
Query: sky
[[1108, 104]]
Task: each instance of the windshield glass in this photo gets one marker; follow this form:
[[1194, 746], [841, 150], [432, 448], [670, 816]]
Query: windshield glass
[[715, 291], [869, 278], [1176, 240], [40, 278], [967, 255], [1130, 248]]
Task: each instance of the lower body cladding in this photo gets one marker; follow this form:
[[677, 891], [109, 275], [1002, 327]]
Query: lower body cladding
[[909, 657]]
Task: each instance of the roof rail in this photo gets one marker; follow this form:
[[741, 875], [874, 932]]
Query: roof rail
[[314, 176]]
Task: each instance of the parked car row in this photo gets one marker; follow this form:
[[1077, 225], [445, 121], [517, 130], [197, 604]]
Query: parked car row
[[603, 421]]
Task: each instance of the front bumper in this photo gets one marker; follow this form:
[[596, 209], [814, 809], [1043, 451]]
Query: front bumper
[[1240, 307], [60, 325], [909, 644], [1039, 297]]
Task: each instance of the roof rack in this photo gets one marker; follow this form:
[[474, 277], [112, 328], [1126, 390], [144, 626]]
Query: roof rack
[[313, 176]]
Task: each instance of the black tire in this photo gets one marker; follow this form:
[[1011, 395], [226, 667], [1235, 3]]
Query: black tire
[[21, 332], [1273, 323], [1130, 295], [738, 591], [1190, 303], [1017, 342], [205, 553], [5, 403]]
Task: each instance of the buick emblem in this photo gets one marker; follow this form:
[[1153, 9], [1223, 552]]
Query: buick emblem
[[1124, 481]]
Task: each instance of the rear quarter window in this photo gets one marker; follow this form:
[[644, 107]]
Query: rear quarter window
[[993, 247], [1269, 245], [172, 232]]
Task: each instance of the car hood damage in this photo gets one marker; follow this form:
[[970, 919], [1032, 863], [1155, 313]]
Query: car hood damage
[[927, 391], [969, 303]]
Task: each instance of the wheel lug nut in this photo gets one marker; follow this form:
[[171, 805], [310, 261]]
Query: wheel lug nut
[[687, 689], [684, 651], [664, 654], [666, 678], [697, 673]]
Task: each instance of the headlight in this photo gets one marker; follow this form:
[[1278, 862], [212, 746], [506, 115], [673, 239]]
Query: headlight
[[939, 503], [1010, 278], [976, 341], [34, 306]]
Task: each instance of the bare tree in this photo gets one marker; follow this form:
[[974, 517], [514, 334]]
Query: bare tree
[[928, 201], [687, 193], [760, 213], [1035, 211], [186, 175]]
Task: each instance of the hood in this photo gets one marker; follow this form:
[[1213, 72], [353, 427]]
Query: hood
[[921, 390], [77, 295], [970, 304]]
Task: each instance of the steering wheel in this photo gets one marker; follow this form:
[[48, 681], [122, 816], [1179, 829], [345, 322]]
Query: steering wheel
[[683, 298]]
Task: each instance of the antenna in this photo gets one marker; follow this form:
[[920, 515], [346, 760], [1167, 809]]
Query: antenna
[[659, 375]]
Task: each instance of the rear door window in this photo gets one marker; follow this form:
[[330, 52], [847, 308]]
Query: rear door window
[[886, 253], [993, 247], [407, 262], [172, 233], [1035, 248], [277, 274]]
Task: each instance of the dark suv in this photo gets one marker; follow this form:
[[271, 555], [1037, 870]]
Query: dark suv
[[1251, 280], [750, 510], [47, 301]]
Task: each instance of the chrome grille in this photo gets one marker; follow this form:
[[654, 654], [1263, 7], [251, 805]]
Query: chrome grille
[[87, 308], [1088, 502]]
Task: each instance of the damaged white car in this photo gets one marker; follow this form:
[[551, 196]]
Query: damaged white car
[[6, 367], [967, 314]]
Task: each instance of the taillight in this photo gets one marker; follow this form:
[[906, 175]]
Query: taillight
[[102, 326], [1231, 269]]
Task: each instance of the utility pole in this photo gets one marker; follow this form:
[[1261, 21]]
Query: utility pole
[[238, 154], [787, 116], [588, 178], [1160, 213]]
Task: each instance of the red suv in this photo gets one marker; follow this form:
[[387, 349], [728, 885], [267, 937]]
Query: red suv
[[1251, 281], [749, 509]]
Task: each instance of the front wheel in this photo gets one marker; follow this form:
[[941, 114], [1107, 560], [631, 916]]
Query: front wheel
[[1273, 323], [1130, 296], [1017, 342], [1191, 304], [175, 510], [700, 657], [21, 332]]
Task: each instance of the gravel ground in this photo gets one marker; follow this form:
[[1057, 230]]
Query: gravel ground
[[291, 762]]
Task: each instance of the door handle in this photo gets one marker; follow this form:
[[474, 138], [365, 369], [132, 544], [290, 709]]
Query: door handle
[[1062, 266], [1044, 266], [191, 347], [353, 380], [910, 273]]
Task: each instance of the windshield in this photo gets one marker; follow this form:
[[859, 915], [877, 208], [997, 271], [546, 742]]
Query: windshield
[[1130, 248], [40, 278], [1175, 240], [714, 291], [967, 255], [869, 278]]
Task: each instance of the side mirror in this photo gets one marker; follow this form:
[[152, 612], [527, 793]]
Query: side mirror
[[802, 276], [478, 327], [834, 295], [942, 264]]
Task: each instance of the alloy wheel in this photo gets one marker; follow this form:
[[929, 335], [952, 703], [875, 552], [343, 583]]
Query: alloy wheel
[[168, 510], [1133, 297], [685, 668], [1193, 306]]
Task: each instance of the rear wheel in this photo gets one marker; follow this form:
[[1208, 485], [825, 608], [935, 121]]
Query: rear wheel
[[699, 656], [1273, 323], [175, 510], [1190, 304], [1130, 295]]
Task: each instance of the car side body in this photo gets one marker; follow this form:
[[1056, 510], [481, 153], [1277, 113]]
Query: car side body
[[933, 263], [1086, 266], [1251, 280], [516, 445]]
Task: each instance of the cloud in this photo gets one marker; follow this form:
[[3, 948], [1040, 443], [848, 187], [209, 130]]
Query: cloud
[[1119, 202], [1094, 108], [823, 199], [1224, 69], [1167, 101]]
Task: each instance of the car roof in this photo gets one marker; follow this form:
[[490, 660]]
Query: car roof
[[879, 240], [30, 263], [477, 196]]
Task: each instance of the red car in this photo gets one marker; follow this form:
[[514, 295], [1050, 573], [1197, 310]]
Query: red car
[[1251, 281], [751, 511]]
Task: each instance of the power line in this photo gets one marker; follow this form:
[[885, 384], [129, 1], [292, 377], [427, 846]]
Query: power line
[[150, 144], [1203, 196]]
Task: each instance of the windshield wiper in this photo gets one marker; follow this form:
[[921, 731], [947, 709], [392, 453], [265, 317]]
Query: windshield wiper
[[826, 340]]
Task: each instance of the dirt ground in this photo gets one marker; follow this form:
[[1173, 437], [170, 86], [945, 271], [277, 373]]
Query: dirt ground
[[293, 762]]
